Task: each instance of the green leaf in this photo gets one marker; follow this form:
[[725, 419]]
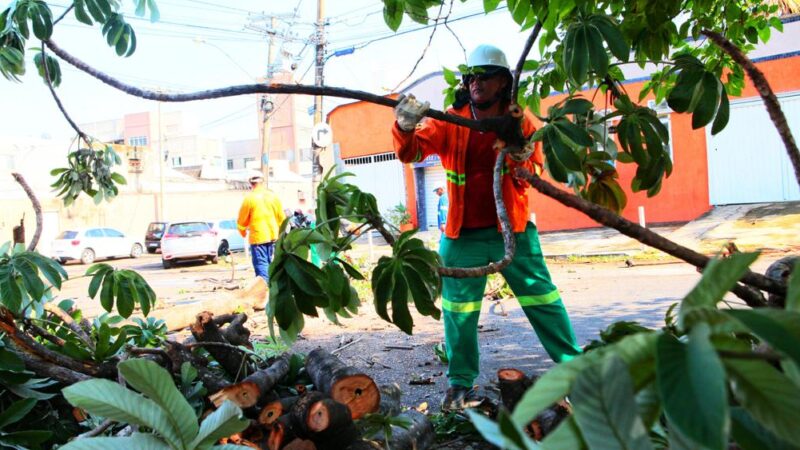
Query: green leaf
[[449, 76], [490, 5], [597, 53], [719, 276], [708, 101], [723, 113], [563, 152], [110, 400], [793, 289], [107, 292], [306, 275], [604, 407], [29, 275], [557, 382], [566, 436], [223, 422], [393, 13], [156, 383], [401, 316], [575, 133], [16, 411], [771, 398], [613, 36], [139, 441], [690, 377], [751, 435], [503, 433], [779, 328]]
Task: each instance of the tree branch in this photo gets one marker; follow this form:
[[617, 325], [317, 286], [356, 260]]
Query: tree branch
[[60, 105], [428, 45], [70, 323], [46, 369], [37, 208], [770, 100], [641, 234], [509, 240], [521, 63], [262, 88], [64, 14]]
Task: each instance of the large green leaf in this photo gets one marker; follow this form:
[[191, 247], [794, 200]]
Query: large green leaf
[[750, 435], [708, 101], [771, 398], [566, 436], [156, 383], [690, 377], [557, 382], [503, 433], [719, 276], [107, 399], [605, 410], [779, 328], [223, 422], [793, 290], [16, 411], [138, 441]]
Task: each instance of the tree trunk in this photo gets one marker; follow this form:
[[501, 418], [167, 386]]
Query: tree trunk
[[330, 425], [236, 333], [205, 330], [419, 436], [255, 387], [345, 384], [273, 410], [513, 383], [47, 369]]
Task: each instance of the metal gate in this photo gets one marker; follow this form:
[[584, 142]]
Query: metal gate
[[380, 175], [747, 161]]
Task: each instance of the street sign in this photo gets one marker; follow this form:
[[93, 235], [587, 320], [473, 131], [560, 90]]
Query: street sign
[[322, 135]]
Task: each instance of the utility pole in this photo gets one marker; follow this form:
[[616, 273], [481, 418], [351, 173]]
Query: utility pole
[[160, 169], [316, 173], [266, 110]]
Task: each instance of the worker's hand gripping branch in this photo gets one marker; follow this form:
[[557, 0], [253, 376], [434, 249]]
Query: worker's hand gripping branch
[[409, 112]]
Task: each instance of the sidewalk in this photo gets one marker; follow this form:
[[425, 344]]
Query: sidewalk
[[769, 227]]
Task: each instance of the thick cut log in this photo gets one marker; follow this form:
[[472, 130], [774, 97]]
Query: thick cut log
[[418, 436], [274, 409], [205, 330], [548, 420], [280, 433], [512, 383], [255, 387], [330, 425], [236, 333], [345, 384], [390, 400], [300, 411]]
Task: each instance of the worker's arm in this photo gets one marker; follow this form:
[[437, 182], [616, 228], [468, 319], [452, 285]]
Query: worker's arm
[[416, 138], [244, 217]]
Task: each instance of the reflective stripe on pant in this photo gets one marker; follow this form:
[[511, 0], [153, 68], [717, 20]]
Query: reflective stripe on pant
[[262, 257], [528, 278]]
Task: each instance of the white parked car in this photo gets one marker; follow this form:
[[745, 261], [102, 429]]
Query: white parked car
[[228, 236], [188, 240], [90, 244]]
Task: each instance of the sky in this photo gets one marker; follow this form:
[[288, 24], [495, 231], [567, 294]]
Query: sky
[[203, 44]]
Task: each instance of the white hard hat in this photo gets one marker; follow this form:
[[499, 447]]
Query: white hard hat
[[487, 55]]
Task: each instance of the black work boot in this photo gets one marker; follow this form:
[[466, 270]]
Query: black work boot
[[458, 398]]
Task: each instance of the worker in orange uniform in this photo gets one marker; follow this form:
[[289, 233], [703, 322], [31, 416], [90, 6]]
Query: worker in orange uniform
[[262, 214], [471, 232]]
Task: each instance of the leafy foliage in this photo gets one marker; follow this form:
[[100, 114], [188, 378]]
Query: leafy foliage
[[125, 286], [162, 409], [149, 332], [380, 426], [638, 389], [20, 281], [88, 171], [20, 439]]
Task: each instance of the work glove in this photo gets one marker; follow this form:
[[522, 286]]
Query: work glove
[[409, 112]]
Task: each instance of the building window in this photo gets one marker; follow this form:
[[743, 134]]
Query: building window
[[137, 141], [176, 161], [230, 164], [247, 162]]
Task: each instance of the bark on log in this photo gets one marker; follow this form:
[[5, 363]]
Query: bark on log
[[47, 369], [299, 413], [273, 410], [179, 354], [236, 333], [37, 208], [254, 387], [512, 383], [419, 436], [330, 425], [390, 400], [281, 433], [205, 330], [300, 444], [548, 420], [345, 384]]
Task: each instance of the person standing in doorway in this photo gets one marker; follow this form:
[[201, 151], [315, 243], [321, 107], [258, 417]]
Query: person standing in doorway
[[472, 237], [261, 214], [441, 208]]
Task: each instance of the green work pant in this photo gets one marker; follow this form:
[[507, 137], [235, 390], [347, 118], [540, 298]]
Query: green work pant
[[528, 277]]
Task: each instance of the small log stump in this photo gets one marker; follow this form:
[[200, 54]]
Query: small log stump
[[345, 384]]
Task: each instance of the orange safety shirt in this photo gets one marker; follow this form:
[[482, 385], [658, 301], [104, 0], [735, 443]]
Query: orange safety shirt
[[261, 212], [449, 141]]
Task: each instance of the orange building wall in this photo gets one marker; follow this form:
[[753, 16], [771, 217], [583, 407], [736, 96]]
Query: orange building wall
[[362, 128]]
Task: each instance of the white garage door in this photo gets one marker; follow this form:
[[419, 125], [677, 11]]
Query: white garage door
[[380, 175], [747, 161], [434, 177]]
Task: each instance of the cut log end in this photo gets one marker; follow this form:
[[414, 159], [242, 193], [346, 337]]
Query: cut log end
[[510, 375], [244, 395], [270, 413], [359, 392], [319, 417]]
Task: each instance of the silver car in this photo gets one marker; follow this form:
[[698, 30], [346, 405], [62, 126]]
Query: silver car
[[89, 244], [228, 236], [188, 240]]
